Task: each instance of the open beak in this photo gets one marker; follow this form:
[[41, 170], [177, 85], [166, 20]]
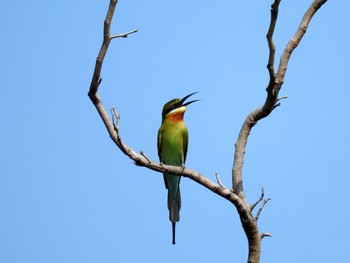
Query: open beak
[[185, 98]]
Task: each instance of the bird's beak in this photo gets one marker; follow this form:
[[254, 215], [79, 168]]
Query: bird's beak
[[185, 98]]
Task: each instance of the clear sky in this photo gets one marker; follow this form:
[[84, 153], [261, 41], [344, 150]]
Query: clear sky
[[67, 194]]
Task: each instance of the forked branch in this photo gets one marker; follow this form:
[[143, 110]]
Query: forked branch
[[113, 126], [272, 101], [273, 88], [259, 200], [236, 196], [96, 79], [261, 208]]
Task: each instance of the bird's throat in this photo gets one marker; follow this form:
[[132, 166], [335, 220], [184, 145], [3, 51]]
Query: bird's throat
[[176, 115]]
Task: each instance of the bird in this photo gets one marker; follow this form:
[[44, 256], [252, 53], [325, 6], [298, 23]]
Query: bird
[[172, 150]]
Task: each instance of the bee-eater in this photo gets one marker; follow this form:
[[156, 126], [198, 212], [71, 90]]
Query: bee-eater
[[172, 150]]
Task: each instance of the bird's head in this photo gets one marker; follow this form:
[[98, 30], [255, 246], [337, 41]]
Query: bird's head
[[176, 107]]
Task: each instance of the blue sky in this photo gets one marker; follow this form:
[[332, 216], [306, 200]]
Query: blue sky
[[67, 194]]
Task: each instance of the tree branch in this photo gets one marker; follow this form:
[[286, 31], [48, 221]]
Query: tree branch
[[101, 55], [124, 35], [265, 234], [294, 42], [271, 102], [275, 83], [236, 196], [259, 200], [261, 208], [271, 44], [141, 159], [219, 181]]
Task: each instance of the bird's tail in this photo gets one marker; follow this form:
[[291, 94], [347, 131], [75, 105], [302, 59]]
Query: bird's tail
[[174, 205]]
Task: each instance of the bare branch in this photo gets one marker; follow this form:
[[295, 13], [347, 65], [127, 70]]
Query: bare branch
[[265, 234], [124, 35], [236, 196], [247, 220], [273, 89], [281, 98], [141, 159], [277, 103], [271, 44], [96, 79], [219, 181], [294, 42], [106, 40], [259, 200], [261, 208], [115, 117], [144, 155]]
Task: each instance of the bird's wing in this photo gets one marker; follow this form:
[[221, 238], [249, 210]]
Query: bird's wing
[[185, 144], [159, 146]]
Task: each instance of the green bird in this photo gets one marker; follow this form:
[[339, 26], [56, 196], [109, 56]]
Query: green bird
[[172, 150]]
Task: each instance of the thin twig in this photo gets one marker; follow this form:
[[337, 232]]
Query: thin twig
[[261, 208], [277, 103], [115, 117], [144, 155], [265, 234], [124, 35], [219, 181], [259, 200], [282, 98]]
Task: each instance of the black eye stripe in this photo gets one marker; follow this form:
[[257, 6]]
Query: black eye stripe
[[170, 109]]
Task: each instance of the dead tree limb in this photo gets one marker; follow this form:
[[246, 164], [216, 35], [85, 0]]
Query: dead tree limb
[[235, 195], [113, 126], [271, 102]]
